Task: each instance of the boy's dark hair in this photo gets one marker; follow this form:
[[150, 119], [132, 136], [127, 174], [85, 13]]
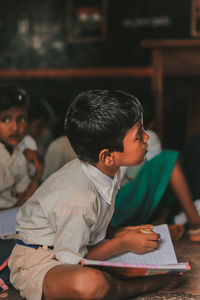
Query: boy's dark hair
[[12, 96], [100, 119]]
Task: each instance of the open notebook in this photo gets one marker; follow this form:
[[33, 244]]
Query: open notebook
[[161, 261]]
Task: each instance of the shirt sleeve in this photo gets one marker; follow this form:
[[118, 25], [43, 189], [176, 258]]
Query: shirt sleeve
[[28, 143], [23, 184], [6, 182], [6, 177], [73, 234], [53, 160], [57, 155]]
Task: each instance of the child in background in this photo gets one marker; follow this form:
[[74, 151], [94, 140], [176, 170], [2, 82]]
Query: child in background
[[190, 160], [39, 131], [59, 152], [68, 216], [15, 185], [41, 120]]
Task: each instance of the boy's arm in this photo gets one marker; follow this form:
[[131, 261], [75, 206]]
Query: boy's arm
[[6, 177], [33, 185], [114, 231], [128, 239], [32, 156]]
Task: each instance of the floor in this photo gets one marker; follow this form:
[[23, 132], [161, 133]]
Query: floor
[[187, 289], [189, 286]]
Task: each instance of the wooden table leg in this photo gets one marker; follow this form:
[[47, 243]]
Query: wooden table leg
[[157, 88]]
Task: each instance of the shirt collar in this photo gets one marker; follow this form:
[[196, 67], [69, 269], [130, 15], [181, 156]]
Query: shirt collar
[[105, 185], [16, 148]]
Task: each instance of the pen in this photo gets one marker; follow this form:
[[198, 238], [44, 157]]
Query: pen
[[146, 230], [150, 231]]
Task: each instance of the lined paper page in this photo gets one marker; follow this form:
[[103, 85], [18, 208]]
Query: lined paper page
[[165, 254], [8, 221]]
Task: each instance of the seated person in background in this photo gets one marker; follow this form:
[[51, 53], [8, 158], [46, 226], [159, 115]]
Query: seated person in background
[[27, 144], [38, 132], [57, 155], [40, 123], [15, 185], [68, 216], [190, 159]]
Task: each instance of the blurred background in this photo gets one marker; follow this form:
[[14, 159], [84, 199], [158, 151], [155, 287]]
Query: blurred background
[[55, 49]]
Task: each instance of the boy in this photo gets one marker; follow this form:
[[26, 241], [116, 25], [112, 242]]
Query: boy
[[68, 216], [15, 185]]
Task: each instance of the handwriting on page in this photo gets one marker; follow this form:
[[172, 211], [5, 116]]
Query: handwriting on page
[[165, 253]]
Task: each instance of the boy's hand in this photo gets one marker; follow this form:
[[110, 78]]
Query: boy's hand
[[139, 240], [136, 239], [21, 199], [119, 231], [33, 157]]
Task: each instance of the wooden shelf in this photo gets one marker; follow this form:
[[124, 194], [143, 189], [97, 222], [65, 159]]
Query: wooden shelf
[[161, 43], [171, 58], [76, 72]]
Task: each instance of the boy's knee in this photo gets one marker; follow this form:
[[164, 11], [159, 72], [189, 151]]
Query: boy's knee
[[87, 283], [92, 284]]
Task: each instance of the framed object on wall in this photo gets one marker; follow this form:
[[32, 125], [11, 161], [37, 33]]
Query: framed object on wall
[[86, 20], [195, 18]]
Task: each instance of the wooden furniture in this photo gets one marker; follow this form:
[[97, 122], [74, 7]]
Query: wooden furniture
[[177, 58], [135, 72]]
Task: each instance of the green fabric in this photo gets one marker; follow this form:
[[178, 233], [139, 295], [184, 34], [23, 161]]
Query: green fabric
[[136, 201]]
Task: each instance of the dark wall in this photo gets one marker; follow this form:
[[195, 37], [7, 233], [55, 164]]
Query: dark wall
[[33, 35]]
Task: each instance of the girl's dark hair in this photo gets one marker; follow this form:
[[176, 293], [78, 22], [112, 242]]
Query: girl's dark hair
[[39, 109], [100, 119], [12, 96]]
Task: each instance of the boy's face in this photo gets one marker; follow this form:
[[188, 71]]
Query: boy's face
[[13, 123], [135, 146]]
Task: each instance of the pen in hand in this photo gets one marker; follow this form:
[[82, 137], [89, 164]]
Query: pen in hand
[[146, 230]]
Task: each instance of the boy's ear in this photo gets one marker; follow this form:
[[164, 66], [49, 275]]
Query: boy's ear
[[106, 157]]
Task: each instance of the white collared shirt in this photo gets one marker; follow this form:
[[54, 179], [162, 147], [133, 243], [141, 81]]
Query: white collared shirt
[[70, 210], [13, 175]]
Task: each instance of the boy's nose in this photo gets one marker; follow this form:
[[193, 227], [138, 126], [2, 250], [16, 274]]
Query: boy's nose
[[14, 126]]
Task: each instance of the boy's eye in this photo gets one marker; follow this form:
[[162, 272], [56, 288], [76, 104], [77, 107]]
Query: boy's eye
[[5, 120], [22, 118]]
